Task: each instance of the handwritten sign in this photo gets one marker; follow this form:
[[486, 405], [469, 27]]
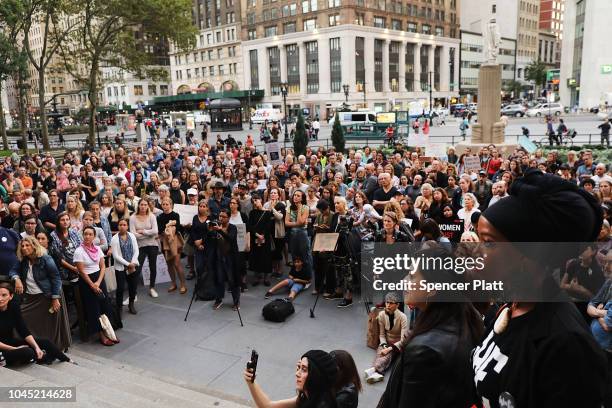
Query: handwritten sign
[[273, 152], [436, 149], [186, 212], [162, 271], [241, 238], [471, 163]]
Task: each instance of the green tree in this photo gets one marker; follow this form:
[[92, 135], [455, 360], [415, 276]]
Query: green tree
[[536, 72], [11, 58], [337, 135], [515, 87], [300, 140], [118, 33]]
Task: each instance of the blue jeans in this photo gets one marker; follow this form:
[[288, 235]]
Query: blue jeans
[[603, 337]]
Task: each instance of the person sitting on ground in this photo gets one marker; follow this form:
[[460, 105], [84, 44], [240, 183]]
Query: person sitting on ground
[[393, 332], [298, 280]]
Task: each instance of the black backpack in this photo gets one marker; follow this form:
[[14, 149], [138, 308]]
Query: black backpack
[[278, 310]]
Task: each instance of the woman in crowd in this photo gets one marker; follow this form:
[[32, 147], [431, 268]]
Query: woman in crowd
[[109, 187], [339, 179], [131, 199], [125, 253], [43, 306], [89, 261], [430, 231], [99, 221], [224, 261], [410, 216], [238, 218], [470, 206], [440, 199], [277, 208], [26, 210], [465, 186], [11, 183], [452, 186], [106, 205], [260, 227], [152, 185], [139, 185], [297, 219], [184, 180], [119, 212], [176, 194], [539, 346], [433, 369], [27, 349], [423, 202], [391, 231], [365, 217], [100, 239], [165, 175], [515, 169], [64, 242], [229, 180], [315, 378], [348, 383], [605, 191], [171, 236], [48, 179], [342, 254]]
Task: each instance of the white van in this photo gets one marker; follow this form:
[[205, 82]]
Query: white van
[[544, 109], [353, 118]]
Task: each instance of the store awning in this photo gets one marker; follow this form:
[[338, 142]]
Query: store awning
[[194, 97]]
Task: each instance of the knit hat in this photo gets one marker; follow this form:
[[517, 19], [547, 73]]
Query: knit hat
[[324, 363], [392, 297]]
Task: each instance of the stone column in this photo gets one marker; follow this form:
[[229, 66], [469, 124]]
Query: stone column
[[303, 72], [444, 70], [489, 128], [263, 68], [385, 67], [455, 80], [347, 57], [246, 69], [402, 67], [283, 62], [417, 67], [369, 65], [324, 67], [431, 64]]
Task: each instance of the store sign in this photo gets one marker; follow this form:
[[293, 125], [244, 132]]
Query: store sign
[[606, 69], [571, 82]]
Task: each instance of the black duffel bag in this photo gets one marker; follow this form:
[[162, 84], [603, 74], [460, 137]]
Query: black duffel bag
[[278, 310]]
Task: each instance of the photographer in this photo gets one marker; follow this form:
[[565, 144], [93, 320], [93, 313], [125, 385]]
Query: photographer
[[342, 223], [315, 376], [224, 259]]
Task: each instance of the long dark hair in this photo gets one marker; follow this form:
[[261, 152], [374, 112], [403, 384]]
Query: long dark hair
[[59, 230], [317, 388], [347, 370]]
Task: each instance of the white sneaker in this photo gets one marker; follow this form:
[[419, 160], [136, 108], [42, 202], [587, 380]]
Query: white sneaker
[[369, 372], [127, 300], [374, 378], [153, 293]]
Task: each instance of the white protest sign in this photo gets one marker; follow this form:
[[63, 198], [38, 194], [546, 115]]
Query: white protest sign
[[98, 176], [162, 275], [471, 163], [241, 238], [273, 152], [186, 212], [436, 150]]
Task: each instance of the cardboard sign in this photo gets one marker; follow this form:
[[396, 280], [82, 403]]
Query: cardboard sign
[[325, 242], [452, 230], [527, 144], [162, 271], [436, 149], [241, 238], [273, 152], [186, 212], [471, 163]]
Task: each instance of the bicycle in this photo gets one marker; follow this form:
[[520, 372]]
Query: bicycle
[[544, 118], [567, 139]]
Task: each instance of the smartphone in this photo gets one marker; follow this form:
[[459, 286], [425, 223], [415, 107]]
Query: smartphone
[[252, 364]]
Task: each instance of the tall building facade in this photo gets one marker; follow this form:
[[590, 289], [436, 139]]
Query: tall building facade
[[552, 13], [215, 65], [586, 63], [373, 54]]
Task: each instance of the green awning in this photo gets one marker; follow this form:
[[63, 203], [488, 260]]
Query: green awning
[[255, 93], [106, 109]]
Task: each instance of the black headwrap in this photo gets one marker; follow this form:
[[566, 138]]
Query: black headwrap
[[546, 208]]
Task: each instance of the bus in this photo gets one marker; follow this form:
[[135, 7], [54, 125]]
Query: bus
[[357, 118]]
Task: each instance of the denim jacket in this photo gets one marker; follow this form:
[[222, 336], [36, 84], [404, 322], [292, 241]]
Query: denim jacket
[[45, 274]]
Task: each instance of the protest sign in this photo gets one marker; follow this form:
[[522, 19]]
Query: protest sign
[[452, 229], [186, 212], [527, 144], [241, 238], [162, 271], [273, 152], [471, 163]]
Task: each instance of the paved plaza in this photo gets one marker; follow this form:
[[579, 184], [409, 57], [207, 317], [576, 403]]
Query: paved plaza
[[211, 349]]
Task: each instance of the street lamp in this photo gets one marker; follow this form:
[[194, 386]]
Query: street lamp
[[249, 111], [284, 88]]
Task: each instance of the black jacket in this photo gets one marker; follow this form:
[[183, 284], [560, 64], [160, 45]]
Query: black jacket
[[347, 397], [433, 371]]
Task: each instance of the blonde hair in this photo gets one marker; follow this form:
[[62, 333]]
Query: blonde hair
[[38, 249], [78, 210]]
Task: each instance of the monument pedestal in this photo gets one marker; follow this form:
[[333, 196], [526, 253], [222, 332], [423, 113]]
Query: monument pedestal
[[503, 148], [489, 128]]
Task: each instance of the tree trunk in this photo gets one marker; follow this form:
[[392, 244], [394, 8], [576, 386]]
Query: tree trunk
[[93, 103], [44, 130], [3, 123], [22, 110]]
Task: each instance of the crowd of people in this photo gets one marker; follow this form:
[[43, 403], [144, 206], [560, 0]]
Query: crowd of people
[[66, 224]]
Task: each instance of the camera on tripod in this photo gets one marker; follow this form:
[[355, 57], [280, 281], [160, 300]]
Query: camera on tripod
[[345, 223]]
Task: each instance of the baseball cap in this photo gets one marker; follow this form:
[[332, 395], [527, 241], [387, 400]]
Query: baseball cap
[[192, 191]]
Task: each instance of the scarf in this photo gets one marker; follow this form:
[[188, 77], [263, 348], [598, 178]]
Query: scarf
[[92, 251]]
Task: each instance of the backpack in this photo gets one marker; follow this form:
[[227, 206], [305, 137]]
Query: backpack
[[278, 310]]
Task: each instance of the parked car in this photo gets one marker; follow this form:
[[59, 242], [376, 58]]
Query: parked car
[[513, 110], [543, 109]]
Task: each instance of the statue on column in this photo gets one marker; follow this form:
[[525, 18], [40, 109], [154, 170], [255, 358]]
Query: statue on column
[[492, 42]]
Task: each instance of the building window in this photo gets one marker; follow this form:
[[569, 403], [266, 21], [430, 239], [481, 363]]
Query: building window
[[163, 90], [359, 18], [221, 72], [396, 24], [309, 5], [312, 67], [310, 24], [252, 34], [254, 69], [152, 90], [293, 68], [109, 91], [380, 22], [289, 27], [123, 90], [251, 18], [436, 75], [426, 29], [333, 3], [274, 64], [412, 27], [440, 31], [335, 64], [359, 63], [394, 53], [409, 64], [270, 31], [378, 65], [138, 90], [218, 35], [188, 73], [211, 69], [334, 20], [424, 68]]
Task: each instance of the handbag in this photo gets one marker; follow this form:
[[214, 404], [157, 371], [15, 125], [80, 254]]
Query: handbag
[[110, 279], [372, 336], [107, 328]]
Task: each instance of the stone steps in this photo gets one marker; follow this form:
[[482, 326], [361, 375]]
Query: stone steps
[[103, 382]]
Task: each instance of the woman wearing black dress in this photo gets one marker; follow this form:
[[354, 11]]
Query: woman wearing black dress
[[260, 227]]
